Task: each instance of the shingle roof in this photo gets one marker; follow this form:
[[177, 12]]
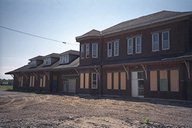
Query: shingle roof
[[55, 55], [154, 18], [37, 58], [72, 52], [73, 64], [91, 34], [145, 20]]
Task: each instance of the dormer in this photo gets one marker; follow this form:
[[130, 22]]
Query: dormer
[[68, 56], [50, 59], [36, 61]]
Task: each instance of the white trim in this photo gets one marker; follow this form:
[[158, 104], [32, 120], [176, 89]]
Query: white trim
[[87, 50], [116, 48], [155, 43], [137, 44], [168, 41], [109, 51], [95, 51], [128, 51]]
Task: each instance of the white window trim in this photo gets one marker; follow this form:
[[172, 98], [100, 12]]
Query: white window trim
[[129, 53], [95, 52], [87, 47], [82, 51], [96, 86], [136, 44], [47, 61], [116, 48], [153, 43], [109, 51], [167, 42]]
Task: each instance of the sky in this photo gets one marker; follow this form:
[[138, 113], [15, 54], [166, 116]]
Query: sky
[[63, 20]]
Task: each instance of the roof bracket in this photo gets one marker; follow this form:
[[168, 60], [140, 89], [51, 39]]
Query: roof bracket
[[145, 70], [126, 70], [188, 69], [76, 71]]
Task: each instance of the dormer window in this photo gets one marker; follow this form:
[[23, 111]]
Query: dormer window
[[47, 61], [64, 59], [33, 63]]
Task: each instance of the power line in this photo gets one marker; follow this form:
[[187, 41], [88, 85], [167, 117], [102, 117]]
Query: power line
[[29, 34]]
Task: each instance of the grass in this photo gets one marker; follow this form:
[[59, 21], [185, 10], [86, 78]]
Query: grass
[[6, 87]]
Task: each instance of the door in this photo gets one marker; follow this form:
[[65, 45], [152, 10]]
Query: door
[[65, 85], [72, 85], [137, 84]]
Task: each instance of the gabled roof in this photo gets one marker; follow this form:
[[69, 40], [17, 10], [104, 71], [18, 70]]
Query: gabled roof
[[54, 55], [71, 52], [159, 17], [91, 34], [37, 58], [73, 64], [145, 20]]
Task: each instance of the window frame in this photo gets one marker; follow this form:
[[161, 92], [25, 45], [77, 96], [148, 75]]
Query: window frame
[[109, 51], [87, 54], [155, 42], [92, 81], [95, 51], [136, 44], [130, 39], [116, 48], [168, 40], [82, 51]]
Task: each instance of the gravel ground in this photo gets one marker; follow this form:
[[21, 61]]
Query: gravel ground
[[19, 109]]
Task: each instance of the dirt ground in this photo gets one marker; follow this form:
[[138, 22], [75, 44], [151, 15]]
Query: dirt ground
[[42, 110]]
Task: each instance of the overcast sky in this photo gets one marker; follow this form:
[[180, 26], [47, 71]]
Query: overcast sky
[[63, 20]]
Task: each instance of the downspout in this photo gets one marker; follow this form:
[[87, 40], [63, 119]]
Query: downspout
[[101, 65]]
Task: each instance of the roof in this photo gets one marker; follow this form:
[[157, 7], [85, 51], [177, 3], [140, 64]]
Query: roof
[[73, 64], [41, 67], [91, 34], [139, 22], [72, 52], [145, 20], [37, 58], [54, 55]]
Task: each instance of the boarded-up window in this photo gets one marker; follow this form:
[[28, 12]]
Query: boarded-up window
[[153, 80], [44, 80], [86, 80], [41, 82], [32, 81], [174, 80], [123, 81], [116, 80], [109, 80], [82, 80], [163, 80]]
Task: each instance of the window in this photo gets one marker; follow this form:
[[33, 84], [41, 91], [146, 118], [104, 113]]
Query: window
[[153, 80], [82, 80], [116, 48], [109, 49], [44, 80], [130, 46], [115, 80], [174, 77], [94, 50], [94, 81], [86, 80], [32, 81], [33, 63], [87, 51], [47, 61], [138, 45], [109, 80], [165, 40], [155, 42], [64, 59], [163, 80], [123, 81], [82, 50]]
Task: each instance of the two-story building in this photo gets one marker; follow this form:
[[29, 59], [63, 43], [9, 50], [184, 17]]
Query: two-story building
[[150, 56]]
